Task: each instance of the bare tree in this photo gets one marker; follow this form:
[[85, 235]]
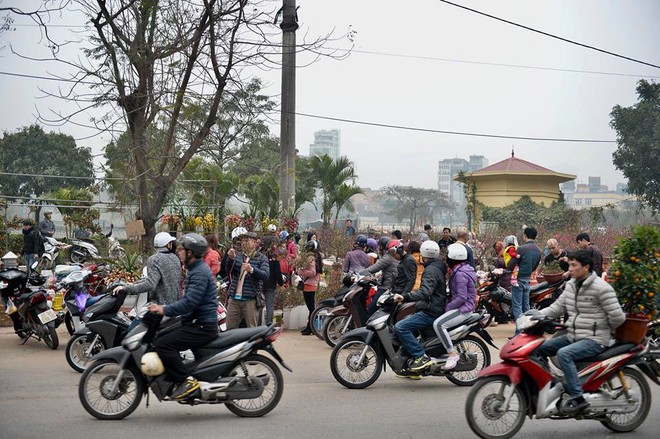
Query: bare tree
[[415, 204]]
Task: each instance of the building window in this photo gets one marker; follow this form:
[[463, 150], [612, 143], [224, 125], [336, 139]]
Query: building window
[[587, 201]]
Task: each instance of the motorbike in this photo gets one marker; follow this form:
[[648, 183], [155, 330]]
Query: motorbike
[[359, 358], [652, 357], [544, 294], [351, 313], [494, 299], [231, 370], [80, 289], [522, 385], [318, 316], [52, 249], [82, 250], [31, 315]]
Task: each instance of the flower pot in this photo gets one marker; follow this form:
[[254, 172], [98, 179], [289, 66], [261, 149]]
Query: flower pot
[[553, 278], [632, 330]]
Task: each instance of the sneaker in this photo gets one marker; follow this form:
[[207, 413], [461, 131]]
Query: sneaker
[[185, 389], [420, 363], [409, 375], [451, 363], [574, 406]]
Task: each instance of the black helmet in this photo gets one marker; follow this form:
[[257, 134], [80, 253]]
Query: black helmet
[[311, 246], [361, 241], [194, 242], [382, 242]]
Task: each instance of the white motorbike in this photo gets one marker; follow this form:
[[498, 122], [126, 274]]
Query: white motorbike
[[52, 249], [84, 250]]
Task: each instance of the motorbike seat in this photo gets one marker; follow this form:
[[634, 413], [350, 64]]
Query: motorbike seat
[[538, 287], [235, 336], [615, 350]]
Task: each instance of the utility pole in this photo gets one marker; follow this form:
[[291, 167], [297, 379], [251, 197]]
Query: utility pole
[[289, 26]]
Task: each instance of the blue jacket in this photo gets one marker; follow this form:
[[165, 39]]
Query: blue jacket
[[530, 256], [200, 302], [253, 281]]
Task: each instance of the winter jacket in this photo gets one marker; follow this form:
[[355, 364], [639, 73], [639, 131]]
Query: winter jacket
[[291, 250], [212, 259], [388, 265], [420, 270], [597, 256], [31, 242], [355, 261], [406, 274], [505, 278], [593, 309], [529, 258], [253, 281], [47, 227], [275, 276], [509, 252], [432, 294], [462, 288], [200, 303], [163, 279], [308, 272]]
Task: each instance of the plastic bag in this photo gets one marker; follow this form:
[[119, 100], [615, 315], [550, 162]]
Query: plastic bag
[[81, 300], [10, 308]]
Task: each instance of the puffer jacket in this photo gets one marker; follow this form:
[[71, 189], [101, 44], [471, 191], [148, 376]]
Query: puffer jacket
[[355, 261], [307, 270], [593, 310], [200, 303], [388, 265], [406, 273], [432, 294], [163, 279], [462, 287], [253, 281]]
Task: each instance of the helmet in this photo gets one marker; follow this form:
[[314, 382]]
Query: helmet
[[311, 245], [272, 227], [394, 244], [151, 364], [238, 231], [423, 237], [511, 240], [457, 252], [430, 250], [194, 242], [162, 239], [361, 241], [382, 242], [284, 235], [372, 244]]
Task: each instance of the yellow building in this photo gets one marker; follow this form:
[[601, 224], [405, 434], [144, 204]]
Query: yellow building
[[504, 182]]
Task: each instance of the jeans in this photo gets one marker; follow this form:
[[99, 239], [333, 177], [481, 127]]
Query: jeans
[[449, 319], [270, 305], [567, 354], [520, 298], [30, 258], [408, 329]]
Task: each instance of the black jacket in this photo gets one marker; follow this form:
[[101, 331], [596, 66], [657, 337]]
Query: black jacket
[[275, 277], [431, 296], [31, 242], [406, 273]]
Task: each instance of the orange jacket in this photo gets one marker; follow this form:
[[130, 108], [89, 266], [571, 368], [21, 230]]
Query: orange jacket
[[420, 270]]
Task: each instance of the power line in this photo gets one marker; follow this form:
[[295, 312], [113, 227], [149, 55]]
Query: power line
[[18, 174], [550, 35]]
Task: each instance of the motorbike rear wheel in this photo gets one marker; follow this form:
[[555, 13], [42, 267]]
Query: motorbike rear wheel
[[470, 345], [258, 366], [78, 255], [49, 336], [94, 390], [483, 408], [77, 348], [317, 318], [333, 329], [345, 368], [639, 387]]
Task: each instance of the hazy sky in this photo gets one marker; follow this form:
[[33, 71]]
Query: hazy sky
[[435, 94]]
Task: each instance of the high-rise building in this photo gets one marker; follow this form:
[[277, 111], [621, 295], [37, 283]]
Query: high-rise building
[[449, 168], [326, 142], [477, 162]]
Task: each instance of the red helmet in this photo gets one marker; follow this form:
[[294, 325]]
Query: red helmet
[[394, 244]]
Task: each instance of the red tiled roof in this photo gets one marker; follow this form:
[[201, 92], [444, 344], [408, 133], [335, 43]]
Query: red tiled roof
[[513, 164]]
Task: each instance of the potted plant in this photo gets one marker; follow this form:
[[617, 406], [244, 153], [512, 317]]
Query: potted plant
[[552, 272], [635, 276]]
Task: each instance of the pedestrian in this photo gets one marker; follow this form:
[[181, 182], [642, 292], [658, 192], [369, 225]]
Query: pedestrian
[[275, 278], [311, 236], [505, 277], [349, 229], [396, 234], [556, 253], [529, 256], [585, 243], [462, 237], [46, 225], [291, 248], [212, 257], [309, 269], [31, 243], [428, 229], [446, 240]]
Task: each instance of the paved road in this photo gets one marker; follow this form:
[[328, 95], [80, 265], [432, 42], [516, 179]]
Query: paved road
[[39, 399]]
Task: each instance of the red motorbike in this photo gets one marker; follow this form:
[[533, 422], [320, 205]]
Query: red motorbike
[[522, 385]]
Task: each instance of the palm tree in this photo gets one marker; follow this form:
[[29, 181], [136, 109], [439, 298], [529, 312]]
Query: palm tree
[[342, 199], [333, 178]]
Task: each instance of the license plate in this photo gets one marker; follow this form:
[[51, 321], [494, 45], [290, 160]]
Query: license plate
[[47, 316]]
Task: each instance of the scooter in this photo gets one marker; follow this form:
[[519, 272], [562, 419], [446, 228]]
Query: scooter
[[495, 299], [52, 249], [82, 250], [522, 385], [359, 358], [318, 316], [544, 294], [231, 371]]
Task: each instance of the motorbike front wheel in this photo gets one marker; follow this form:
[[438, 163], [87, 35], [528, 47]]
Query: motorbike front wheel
[[334, 327], [470, 349], [347, 368], [638, 391], [77, 255], [96, 395], [264, 369], [79, 351], [485, 412], [317, 318]]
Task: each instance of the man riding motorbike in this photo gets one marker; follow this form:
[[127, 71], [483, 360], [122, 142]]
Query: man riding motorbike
[[430, 301], [199, 308], [593, 313]]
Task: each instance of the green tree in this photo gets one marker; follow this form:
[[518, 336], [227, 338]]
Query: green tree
[[415, 204], [33, 151], [331, 175], [638, 139]]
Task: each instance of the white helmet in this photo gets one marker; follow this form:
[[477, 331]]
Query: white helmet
[[162, 239], [457, 252], [430, 250], [272, 227], [238, 231], [151, 364]]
